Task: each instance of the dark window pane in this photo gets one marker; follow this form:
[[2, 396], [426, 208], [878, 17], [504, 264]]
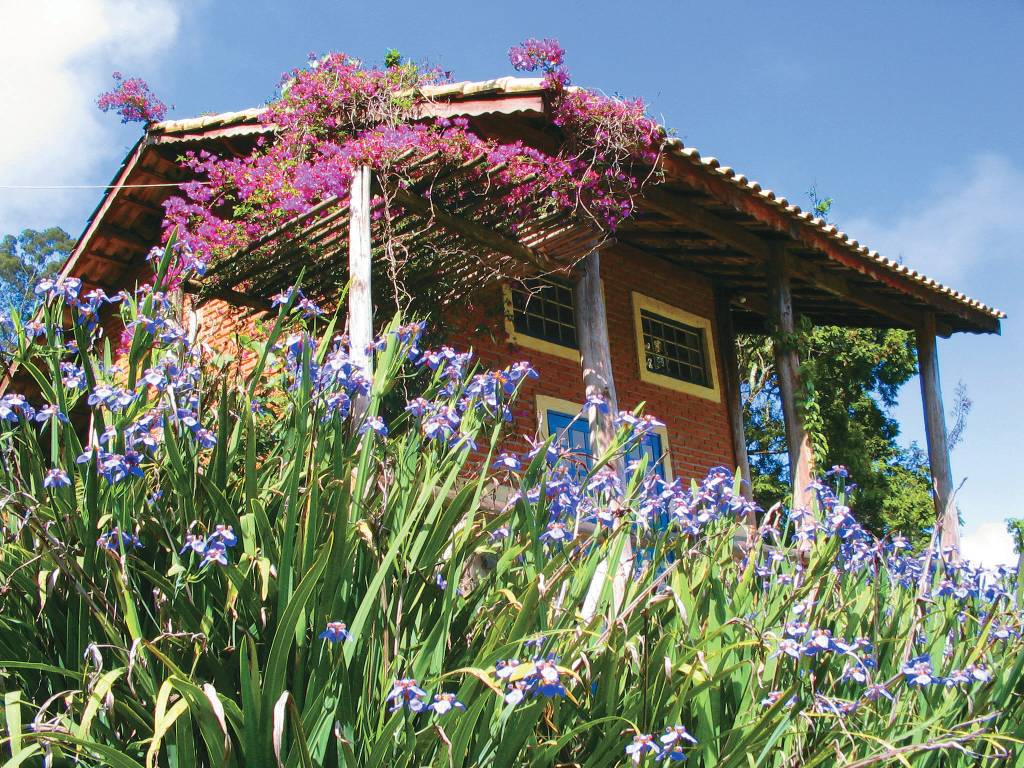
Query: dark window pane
[[675, 349], [544, 309]]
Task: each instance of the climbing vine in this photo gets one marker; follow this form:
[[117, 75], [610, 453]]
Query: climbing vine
[[337, 114]]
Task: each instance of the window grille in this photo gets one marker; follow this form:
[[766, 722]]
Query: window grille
[[544, 309], [675, 349]]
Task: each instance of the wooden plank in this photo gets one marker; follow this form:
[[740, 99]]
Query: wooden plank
[[479, 234], [839, 286], [124, 237], [360, 299], [731, 388], [596, 360], [787, 368], [696, 176], [688, 213], [946, 516]]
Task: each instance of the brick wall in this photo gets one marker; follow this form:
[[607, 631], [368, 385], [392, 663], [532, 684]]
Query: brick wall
[[698, 429]]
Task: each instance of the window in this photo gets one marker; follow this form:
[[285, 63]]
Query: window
[[539, 314], [558, 417], [675, 349]]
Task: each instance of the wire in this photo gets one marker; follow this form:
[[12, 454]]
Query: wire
[[98, 186]]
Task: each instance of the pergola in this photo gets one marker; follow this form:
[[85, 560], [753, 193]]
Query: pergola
[[769, 260]]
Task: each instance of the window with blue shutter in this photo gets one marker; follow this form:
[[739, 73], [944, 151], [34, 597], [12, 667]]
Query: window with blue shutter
[[575, 435]]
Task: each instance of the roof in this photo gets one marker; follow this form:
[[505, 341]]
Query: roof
[[705, 214]]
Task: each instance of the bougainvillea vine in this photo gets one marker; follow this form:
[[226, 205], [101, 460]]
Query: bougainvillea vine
[[337, 114], [133, 100]]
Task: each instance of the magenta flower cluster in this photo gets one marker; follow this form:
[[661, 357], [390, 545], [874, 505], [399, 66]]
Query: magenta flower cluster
[[133, 100], [546, 55], [337, 115]]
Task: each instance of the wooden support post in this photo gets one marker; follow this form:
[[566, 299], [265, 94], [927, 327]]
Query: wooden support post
[[744, 538], [787, 369], [596, 360], [731, 385], [595, 351], [360, 298], [946, 518]]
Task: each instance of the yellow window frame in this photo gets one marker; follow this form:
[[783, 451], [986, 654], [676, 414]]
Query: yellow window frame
[[642, 302], [545, 403]]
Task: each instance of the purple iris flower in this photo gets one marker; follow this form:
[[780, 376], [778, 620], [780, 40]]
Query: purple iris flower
[[116, 538], [376, 424], [643, 744], [444, 703], [48, 412], [504, 669], [877, 691], [516, 692], [419, 407], [507, 461], [215, 553], [918, 671], [557, 533], [205, 438], [789, 647], [549, 682], [56, 478], [406, 693], [194, 543], [335, 632], [225, 534]]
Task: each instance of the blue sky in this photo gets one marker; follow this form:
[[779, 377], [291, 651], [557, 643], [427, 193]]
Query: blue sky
[[908, 114]]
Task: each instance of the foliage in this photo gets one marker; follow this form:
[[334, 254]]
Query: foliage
[[337, 115], [235, 572], [854, 375], [133, 100], [24, 260], [1015, 527]]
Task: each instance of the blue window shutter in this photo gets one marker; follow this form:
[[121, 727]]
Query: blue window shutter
[[651, 447], [574, 435]]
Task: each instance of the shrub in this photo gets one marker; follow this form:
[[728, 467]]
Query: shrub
[[243, 573]]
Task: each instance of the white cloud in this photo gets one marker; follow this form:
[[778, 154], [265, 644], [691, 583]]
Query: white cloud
[[56, 58], [964, 218], [988, 544]]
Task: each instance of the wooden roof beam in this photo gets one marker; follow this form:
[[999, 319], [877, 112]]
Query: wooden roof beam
[[688, 213], [744, 240], [811, 273], [471, 230], [124, 237]]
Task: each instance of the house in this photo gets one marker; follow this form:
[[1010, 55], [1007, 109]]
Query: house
[[651, 313]]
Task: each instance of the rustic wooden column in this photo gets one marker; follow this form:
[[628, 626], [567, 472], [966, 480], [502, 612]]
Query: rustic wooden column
[[946, 518], [731, 389], [596, 361], [744, 538], [787, 370], [360, 298], [595, 351]]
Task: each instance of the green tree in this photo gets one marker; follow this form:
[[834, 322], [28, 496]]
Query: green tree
[[853, 377], [25, 259]]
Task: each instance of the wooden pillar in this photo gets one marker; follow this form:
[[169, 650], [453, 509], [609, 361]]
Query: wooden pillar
[[595, 351], [360, 298], [596, 361], [731, 389], [787, 369], [946, 519]]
